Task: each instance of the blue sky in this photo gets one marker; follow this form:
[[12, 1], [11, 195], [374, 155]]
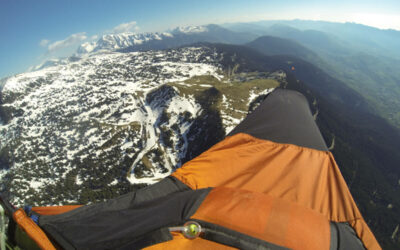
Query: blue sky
[[33, 31]]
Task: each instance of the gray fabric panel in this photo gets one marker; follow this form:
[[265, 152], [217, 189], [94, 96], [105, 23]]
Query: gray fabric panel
[[284, 117], [334, 236], [344, 237]]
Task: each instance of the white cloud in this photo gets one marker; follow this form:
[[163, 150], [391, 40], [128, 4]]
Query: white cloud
[[94, 37], [126, 27], [72, 40], [44, 42]]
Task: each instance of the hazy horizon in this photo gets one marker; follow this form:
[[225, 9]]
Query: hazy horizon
[[34, 32]]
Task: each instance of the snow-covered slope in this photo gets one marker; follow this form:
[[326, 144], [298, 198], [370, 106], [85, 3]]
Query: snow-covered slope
[[111, 42], [89, 126]]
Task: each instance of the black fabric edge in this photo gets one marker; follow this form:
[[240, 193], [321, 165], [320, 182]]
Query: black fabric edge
[[233, 238], [280, 143], [198, 202]]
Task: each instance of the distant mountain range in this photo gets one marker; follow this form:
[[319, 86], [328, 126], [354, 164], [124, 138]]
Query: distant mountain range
[[130, 108], [364, 58]]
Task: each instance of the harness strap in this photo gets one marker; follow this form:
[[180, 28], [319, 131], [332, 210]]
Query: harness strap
[[33, 230]]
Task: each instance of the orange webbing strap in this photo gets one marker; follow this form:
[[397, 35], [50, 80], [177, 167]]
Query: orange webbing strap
[[33, 230], [53, 210]]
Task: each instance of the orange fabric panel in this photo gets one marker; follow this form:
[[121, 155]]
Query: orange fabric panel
[[53, 210], [296, 174], [180, 242], [266, 217], [33, 230]]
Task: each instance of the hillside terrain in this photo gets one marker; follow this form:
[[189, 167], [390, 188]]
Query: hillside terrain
[[129, 109], [83, 130], [364, 58]]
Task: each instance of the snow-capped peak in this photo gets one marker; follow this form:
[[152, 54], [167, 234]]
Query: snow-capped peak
[[190, 29], [112, 42], [86, 47]]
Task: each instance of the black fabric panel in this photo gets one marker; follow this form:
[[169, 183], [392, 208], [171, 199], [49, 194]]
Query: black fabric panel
[[284, 117], [11, 228], [152, 238], [166, 186], [126, 223], [58, 239], [233, 238]]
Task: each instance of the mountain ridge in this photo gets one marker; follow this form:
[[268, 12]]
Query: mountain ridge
[[180, 36], [371, 72]]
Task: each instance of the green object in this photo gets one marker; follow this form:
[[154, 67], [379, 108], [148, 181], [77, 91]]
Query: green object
[[192, 229]]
